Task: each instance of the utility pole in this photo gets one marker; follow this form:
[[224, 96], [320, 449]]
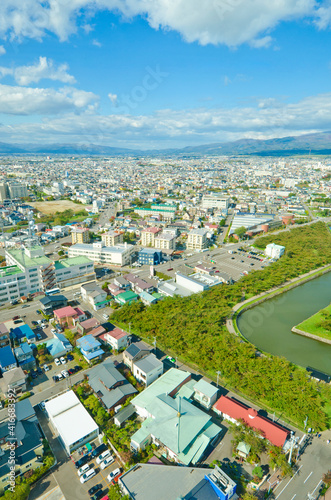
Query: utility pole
[[306, 421], [154, 344], [218, 373]]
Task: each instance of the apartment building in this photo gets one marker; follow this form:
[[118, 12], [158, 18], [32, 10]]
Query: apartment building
[[214, 200], [148, 236], [112, 238], [165, 241], [80, 235], [197, 239]]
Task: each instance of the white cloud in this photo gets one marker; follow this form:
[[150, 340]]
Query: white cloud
[[230, 22], [113, 98], [2, 50], [29, 101], [267, 119], [43, 69], [96, 43]]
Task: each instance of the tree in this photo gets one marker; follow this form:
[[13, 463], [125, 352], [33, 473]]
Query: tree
[[115, 493], [240, 231], [222, 223], [257, 472], [327, 478], [249, 496]]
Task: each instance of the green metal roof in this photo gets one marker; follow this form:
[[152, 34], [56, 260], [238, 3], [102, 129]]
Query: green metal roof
[[72, 261], [9, 271], [125, 296], [26, 261]]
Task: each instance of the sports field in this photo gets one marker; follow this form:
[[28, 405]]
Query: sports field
[[50, 207]]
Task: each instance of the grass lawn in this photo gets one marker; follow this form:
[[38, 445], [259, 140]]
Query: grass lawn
[[313, 324]]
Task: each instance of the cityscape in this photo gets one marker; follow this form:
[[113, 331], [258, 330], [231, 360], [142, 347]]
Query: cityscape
[[165, 250]]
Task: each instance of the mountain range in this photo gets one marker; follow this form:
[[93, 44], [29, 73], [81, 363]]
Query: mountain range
[[318, 143]]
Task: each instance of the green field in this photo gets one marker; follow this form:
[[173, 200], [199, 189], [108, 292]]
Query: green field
[[319, 324]]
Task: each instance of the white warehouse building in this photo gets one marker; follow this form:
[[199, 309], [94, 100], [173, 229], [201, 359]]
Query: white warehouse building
[[274, 251], [71, 421]]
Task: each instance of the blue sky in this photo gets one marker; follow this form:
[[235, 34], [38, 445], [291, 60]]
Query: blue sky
[[163, 73]]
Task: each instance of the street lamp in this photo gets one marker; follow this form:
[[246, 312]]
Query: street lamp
[[218, 373]]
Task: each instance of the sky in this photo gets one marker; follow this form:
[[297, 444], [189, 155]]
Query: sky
[[154, 74]]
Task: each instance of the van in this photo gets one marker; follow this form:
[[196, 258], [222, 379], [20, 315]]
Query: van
[[83, 469], [109, 460], [99, 449], [101, 457], [88, 475], [105, 316]]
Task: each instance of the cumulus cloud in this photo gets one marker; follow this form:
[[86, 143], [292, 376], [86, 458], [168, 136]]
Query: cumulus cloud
[[266, 119], [29, 101], [113, 98], [2, 50], [43, 69], [230, 22]]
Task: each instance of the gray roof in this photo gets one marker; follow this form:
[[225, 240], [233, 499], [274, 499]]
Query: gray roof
[[24, 410], [135, 349], [148, 363], [124, 414], [171, 483]]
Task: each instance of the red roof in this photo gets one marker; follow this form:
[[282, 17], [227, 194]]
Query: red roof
[[117, 333], [236, 410], [65, 312]]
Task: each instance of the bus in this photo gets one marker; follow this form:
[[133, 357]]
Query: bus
[[53, 291]]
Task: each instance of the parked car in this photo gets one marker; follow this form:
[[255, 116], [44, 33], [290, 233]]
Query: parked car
[[98, 450], [65, 373], [33, 374], [99, 496], [15, 317], [88, 475], [39, 370], [55, 378], [107, 462], [82, 461], [63, 360], [38, 311], [34, 322], [38, 336], [114, 474], [94, 489], [57, 361], [83, 469], [42, 405], [46, 368], [77, 368], [70, 357], [103, 455], [59, 376]]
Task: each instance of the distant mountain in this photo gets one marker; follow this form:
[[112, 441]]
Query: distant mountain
[[319, 143]]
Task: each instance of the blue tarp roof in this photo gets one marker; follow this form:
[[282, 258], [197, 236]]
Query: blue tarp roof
[[23, 331], [88, 342], [6, 357]]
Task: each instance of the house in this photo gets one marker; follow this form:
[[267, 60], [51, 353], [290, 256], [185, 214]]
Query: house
[[7, 359], [205, 394], [139, 285], [243, 450], [143, 480], [71, 421], [68, 316], [23, 333], [58, 346], [4, 335], [181, 430], [124, 415], [15, 380], [126, 298], [233, 410], [109, 385], [94, 295], [28, 450], [86, 326], [24, 356], [90, 348], [148, 299], [117, 338], [134, 352], [147, 369], [51, 302], [122, 283]]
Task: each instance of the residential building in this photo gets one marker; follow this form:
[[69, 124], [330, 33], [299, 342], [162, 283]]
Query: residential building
[[143, 480], [116, 338], [51, 302], [233, 410], [165, 241], [164, 212], [126, 298], [148, 236], [24, 356], [23, 333], [87, 326], [7, 359], [119, 255], [74, 270], [205, 393], [29, 447], [139, 285], [90, 348], [109, 385], [112, 238], [80, 235], [197, 239], [94, 295], [147, 369], [58, 346], [150, 257], [72, 423], [68, 316], [13, 380], [4, 335], [134, 352]]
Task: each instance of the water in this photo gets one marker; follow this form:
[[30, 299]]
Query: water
[[268, 325]]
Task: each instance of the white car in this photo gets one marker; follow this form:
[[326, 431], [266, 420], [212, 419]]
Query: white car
[[53, 330], [107, 462], [83, 469], [59, 376], [101, 457], [65, 373], [113, 474], [88, 475], [57, 361], [63, 361], [46, 368]]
